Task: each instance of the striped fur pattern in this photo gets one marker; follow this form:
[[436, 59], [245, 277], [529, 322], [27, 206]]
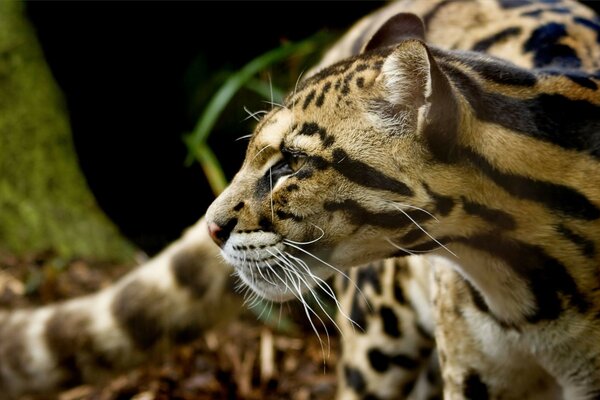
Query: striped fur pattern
[[170, 299], [477, 151]]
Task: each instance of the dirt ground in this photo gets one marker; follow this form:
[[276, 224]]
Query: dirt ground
[[244, 360]]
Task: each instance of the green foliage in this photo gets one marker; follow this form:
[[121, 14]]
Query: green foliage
[[196, 141], [296, 55]]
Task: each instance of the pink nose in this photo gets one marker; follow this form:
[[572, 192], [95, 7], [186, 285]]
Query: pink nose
[[214, 231]]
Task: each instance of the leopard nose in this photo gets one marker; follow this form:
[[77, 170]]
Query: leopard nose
[[220, 234]]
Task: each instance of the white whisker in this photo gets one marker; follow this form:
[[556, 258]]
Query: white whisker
[[253, 114], [416, 208], [311, 241], [424, 231], [330, 266], [260, 151], [244, 137]]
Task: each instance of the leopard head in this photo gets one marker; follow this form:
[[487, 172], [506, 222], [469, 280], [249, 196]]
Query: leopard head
[[334, 178]]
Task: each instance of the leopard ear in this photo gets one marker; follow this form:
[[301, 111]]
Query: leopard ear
[[400, 27], [413, 81]]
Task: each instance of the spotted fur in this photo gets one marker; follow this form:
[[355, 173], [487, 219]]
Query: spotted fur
[[479, 148], [169, 299]]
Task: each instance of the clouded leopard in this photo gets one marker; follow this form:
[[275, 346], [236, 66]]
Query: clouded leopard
[[458, 140], [466, 135]]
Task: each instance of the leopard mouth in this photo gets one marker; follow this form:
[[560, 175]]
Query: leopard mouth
[[271, 268]]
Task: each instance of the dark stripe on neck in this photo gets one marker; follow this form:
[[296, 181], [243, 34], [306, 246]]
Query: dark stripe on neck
[[498, 218], [491, 68], [360, 216], [484, 44], [570, 124], [365, 175], [548, 280], [586, 246], [556, 197]]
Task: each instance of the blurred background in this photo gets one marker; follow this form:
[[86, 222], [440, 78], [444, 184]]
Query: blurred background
[[136, 77]]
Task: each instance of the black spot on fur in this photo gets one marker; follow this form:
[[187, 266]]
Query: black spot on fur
[[368, 275], [484, 44], [544, 42], [188, 267], [68, 338], [474, 388], [408, 387], [312, 128], [238, 206], [357, 314], [360, 82], [514, 3], [355, 379], [321, 98], [391, 323], [13, 348], [292, 187], [381, 362], [137, 310], [378, 360], [309, 98]]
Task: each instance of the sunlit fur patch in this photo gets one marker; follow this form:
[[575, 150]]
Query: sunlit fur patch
[[271, 130]]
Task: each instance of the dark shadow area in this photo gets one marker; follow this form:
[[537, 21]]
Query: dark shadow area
[[125, 69]]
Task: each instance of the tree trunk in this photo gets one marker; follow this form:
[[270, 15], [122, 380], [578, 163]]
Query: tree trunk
[[45, 203]]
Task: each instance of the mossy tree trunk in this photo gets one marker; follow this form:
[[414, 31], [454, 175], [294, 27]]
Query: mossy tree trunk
[[45, 203]]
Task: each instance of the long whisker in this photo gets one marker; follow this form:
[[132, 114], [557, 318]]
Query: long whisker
[[271, 90], [411, 252], [416, 208], [424, 231], [311, 241], [296, 88], [253, 114], [271, 194], [260, 151], [284, 259], [244, 137], [330, 266], [308, 308], [326, 288]]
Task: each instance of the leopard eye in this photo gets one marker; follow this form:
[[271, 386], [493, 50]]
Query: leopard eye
[[295, 161]]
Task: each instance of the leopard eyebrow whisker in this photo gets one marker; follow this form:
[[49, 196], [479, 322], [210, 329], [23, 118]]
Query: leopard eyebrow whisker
[[260, 151], [253, 115], [296, 87]]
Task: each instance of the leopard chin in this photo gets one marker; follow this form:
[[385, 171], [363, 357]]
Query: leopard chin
[[273, 270]]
